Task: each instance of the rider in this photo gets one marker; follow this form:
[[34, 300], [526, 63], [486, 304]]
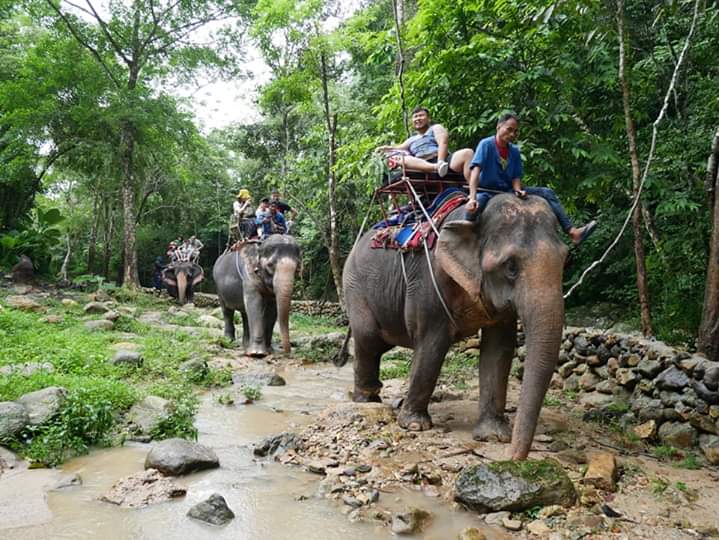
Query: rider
[[195, 245], [242, 222], [289, 213]]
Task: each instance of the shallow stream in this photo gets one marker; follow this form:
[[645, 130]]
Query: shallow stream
[[271, 501]]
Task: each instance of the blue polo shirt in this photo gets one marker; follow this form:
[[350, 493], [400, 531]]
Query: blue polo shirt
[[491, 174]]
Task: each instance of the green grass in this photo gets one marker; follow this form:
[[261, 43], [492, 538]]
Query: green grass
[[99, 393], [395, 364], [313, 324]]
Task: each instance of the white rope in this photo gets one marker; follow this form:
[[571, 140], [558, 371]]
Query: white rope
[[436, 287], [655, 126], [424, 210]]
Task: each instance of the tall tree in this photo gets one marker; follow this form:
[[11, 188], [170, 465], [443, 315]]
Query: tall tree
[[708, 341]]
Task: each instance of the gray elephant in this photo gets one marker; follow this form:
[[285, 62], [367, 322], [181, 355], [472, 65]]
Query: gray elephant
[[507, 265], [180, 278], [257, 280]]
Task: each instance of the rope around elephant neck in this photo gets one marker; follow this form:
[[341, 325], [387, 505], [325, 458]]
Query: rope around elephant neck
[[240, 267], [436, 287]]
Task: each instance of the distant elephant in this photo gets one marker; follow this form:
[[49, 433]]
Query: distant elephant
[[257, 280], [507, 265], [180, 278]]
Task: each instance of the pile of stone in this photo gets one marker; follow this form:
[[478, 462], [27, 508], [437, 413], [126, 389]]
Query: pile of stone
[[315, 307], [672, 395]]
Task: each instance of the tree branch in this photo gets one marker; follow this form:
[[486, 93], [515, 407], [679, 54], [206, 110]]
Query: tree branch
[[82, 42], [107, 33]]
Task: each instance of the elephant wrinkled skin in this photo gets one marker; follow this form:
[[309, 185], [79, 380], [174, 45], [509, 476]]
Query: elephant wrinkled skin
[[257, 280], [508, 265]]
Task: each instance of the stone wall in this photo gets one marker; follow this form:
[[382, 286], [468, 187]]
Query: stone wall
[[671, 396]]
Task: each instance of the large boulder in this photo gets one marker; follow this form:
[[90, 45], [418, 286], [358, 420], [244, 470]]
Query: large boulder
[[13, 418], [258, 378], [23, 303], [677, 434], [178, 456], [127, 358], [145, 415], [98, 325], [514, 486], [213, 510], [96, 307], [143, 489], [26, 369], [43, 404]]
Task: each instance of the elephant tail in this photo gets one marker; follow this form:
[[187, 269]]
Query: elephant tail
[[340, 359]]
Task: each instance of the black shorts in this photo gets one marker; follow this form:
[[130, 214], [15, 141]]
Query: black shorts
[[448, 159]]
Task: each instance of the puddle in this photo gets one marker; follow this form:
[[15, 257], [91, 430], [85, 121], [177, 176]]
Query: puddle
[[263, 495]]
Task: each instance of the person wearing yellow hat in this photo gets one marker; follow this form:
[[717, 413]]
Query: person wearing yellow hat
[[242, 221]]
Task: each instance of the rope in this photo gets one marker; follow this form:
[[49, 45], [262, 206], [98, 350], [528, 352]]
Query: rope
[[240, 267], [655, 126], [424, 210], [364, 221], [436, 287], [404, 270]]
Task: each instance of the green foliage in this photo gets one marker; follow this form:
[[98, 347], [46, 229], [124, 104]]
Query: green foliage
[[252, 393], [39, 238], [665, 452], [659, 485], [395, 364]]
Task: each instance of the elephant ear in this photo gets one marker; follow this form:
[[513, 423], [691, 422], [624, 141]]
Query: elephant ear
[[169, 278], [199, 274], [458, 255]]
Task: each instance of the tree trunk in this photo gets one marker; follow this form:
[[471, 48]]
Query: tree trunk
[[109, 225], [639, 257], [130, 277], [92, 242], [334, 244], [398, 11], [66, 260], [708, 341]]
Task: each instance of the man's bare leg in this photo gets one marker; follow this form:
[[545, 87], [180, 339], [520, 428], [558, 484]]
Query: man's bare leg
[[419, 164], [461, 160]]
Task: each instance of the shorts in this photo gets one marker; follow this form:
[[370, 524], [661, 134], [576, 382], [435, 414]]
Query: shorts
[[448, 159]]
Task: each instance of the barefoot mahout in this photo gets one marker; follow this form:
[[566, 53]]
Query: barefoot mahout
[[507, 265], [256, 279]]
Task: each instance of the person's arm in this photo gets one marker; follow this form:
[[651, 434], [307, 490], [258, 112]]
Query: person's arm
[[518, 173], [442, 137], [404, 146], [199, 244], [471, 205]]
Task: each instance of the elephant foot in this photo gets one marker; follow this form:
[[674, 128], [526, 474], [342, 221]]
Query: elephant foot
[[366, 396], [254, 353], [414, 421], [493, 429]]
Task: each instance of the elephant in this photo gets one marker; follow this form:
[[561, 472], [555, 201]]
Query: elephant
[[180, 278], [257, 280], [506, 265]]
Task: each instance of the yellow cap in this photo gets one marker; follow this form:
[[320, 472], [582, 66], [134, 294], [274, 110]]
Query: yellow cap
[[243, 194]]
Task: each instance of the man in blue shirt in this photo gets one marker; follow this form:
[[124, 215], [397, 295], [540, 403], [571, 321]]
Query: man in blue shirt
[[497, 166]]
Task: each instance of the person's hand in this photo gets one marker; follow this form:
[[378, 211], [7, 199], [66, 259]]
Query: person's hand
[[520, 193], [471, 206]]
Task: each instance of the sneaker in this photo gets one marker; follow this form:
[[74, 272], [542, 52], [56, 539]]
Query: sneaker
[[442, 168]]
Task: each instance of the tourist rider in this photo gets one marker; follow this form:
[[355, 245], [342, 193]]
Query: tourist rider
[[497, 166], [428, 149]]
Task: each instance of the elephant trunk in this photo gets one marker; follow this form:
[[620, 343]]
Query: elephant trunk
[[283, 283], [541, 310], [181, 287]]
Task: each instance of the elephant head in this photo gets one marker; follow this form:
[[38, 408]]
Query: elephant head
[[279, 260], [181, 278], [510, 264]]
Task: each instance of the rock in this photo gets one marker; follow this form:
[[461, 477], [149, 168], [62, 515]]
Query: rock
[[606, 387], [143, 489], [595, 400], [23, 271], [571, 383], [702, 390], [711, 375], [351, 501], [565, 370], [677, 434], [601, 471], [512, 524], [8, 460], [632, 360], [23, 303], [471, 533], [588, 381], [626, 376], [127, 358], [178, 456], [205, 300], [96, 307], [111, 316], [514, 486], [277, 444], [551, 511], [649, 368], [672, 378], [703, 423], [43, 404], [213, 510], [151, 317], [26, 369], [612, 365], [538, 527], [410, 522], [258, 378], [669, 399], [646, 431], [709, 445], [13, 418], [125, 346], [196, 368], [68, 302], [53, 319], [68, 481], [145, 415], [210, 322], [496, 518], [98, 325]]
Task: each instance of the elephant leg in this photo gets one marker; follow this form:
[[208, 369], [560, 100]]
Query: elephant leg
[[426, 366], [495, 361], [245, 330], [269, 322], [229, 316], [368, 352]]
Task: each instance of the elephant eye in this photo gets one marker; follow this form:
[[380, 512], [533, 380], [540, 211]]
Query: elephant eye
[[511, 268]]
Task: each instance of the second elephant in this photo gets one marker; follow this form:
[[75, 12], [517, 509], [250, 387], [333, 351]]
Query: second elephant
[[257, 280]]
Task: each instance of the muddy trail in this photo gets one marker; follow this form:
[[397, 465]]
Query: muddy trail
[[352, 473]]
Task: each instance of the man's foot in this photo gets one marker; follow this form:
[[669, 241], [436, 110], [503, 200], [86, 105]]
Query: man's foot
[[442, 168], [580, 235]]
